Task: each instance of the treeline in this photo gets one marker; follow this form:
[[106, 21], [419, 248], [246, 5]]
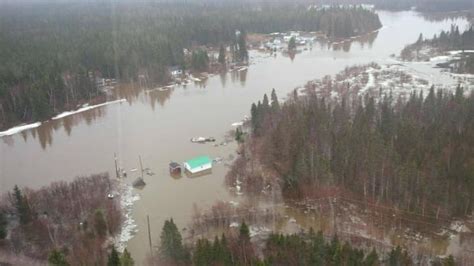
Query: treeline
[[445, 41], [416, 154], [67, 222], [309, 248], [51, 53], [419, 5]]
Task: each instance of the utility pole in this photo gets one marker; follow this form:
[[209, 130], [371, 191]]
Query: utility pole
[[116, 168], [141, 166], [149, 234]]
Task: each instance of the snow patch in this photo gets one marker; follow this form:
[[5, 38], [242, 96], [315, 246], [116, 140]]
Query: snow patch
[[129, 227], [257, 230], [86, 108], [19, 128], [237, 124]]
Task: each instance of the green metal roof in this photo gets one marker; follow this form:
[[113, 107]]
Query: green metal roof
[[198, 161]]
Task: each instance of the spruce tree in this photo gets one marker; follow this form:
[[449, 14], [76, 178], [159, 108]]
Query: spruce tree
[[21, 205], [114, 259], [244, 233], [126, 259], [275, 104], [371, 259], [57, 258], [265, 102], [254, 116], [100, 224], [221, 59], [171, 243], [292, 44], [242, 46], [3, 225]]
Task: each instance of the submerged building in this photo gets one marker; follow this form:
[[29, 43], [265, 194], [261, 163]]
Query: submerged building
[[198, 164]]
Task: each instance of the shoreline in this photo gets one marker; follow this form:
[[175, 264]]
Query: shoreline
[[86, 107]]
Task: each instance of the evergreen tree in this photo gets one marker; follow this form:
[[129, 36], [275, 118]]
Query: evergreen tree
[[254, 116], [239, 135], [420, 39], [22, 206], [449, 261], [226, 255], [244, 233], [203, 253], [242, 46], [171, 243], [265, 103], [372, 259], [200, 60], [292, 44], [126, 259], [57, 258], [100, 224], [275, 104], [114, 259], [3, 225], [399, 257], [222, 58]]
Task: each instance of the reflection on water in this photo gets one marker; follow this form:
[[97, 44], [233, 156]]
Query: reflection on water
[[44, 133], [237, 76]]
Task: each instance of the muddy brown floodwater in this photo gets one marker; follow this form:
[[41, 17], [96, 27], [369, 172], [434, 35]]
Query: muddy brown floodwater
[[157, 125]]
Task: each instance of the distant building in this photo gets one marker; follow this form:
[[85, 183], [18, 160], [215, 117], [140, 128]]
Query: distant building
[[198, 164], [175, 71]]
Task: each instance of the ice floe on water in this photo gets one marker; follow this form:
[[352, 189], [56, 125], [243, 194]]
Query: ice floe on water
[[86, 108], [19, 129], [129, 227]]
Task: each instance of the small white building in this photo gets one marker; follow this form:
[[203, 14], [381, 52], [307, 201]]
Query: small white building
[[198, 164]]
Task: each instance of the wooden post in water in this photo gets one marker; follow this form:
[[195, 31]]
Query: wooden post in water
[[116, 169], [149, 234], [141, 166]]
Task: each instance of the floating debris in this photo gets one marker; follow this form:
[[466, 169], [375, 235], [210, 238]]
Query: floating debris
[[202, 139], [217, 160]]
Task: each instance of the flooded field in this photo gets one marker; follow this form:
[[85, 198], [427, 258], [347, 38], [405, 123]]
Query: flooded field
[[158, 124]]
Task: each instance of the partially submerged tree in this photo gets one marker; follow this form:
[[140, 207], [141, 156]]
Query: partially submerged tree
[[292, 44], [222, 58]]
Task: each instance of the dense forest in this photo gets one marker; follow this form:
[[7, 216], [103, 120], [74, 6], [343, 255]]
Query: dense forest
[[63, 221], [445, 41], [451, 40], [415, 154], [52, 53], [306, 248], [419, 5]]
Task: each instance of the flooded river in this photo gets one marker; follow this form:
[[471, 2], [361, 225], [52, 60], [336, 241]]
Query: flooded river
[[157, 125]]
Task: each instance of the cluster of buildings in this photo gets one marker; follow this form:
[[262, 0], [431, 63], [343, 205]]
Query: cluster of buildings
[[280, 40]]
